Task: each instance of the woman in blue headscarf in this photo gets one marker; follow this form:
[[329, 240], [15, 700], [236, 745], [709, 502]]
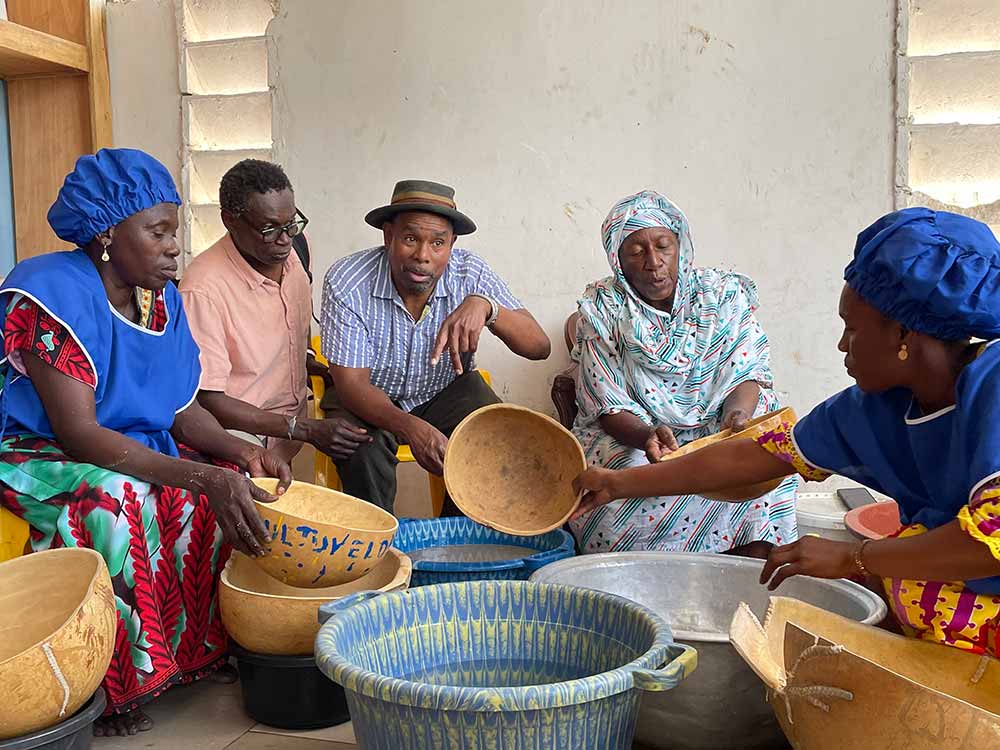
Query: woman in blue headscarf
[[921, 313], [668, 353], [104, 444]]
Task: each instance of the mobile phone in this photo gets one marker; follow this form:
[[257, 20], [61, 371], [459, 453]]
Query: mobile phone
[[855, 497]]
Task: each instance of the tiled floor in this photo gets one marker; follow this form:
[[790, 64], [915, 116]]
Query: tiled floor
[[208, 716]]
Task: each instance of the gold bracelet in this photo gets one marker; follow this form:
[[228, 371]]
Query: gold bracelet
[[858, 562]]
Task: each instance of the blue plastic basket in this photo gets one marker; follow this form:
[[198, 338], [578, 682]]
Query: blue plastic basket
[[421, 533], [510, 665]]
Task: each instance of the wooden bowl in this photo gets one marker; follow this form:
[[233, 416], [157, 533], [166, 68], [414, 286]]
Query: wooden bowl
[[57, 634], [512, 469], [754, 429], [268, 617], [874, 521], [320, 537]]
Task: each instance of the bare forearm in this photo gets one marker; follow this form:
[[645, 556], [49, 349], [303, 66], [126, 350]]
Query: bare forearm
[[372, 405], [743, 398], [519, 330], [93, 444], [197, 428], [234, 414], [943, 554], [716, 467], [69, 405], [627, 429]]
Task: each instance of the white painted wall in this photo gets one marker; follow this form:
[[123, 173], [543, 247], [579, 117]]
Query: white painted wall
[[769, 122], [145, 88]]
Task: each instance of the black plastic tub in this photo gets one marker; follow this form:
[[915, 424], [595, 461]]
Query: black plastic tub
[[288, 692], [75, 733]]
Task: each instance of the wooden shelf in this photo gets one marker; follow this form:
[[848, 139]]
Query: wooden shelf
[[25, 52]]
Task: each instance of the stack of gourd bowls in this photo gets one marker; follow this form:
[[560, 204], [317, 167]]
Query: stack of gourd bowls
[[324, 545]]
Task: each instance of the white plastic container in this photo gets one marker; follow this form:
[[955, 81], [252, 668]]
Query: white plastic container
[[822, 513]]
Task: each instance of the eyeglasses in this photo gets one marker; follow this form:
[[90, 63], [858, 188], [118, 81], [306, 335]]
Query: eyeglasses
[[293, 228]]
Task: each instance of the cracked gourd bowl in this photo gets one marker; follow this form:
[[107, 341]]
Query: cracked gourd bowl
[[321, 537], [266, 616], [57, 633], [512, 469], [496, 664], [754, 429], [835, 684]]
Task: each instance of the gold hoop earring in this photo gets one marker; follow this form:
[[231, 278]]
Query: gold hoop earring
[[104, 256], [903, 354]]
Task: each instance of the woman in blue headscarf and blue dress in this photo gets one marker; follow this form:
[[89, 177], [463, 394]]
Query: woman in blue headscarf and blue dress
[[921, 316], [104, 444], [669, 353]]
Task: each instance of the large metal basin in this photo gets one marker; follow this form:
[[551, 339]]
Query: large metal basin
[[722, 705]]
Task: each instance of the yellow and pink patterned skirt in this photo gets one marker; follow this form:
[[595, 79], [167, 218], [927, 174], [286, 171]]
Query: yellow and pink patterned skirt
[[945, 612]]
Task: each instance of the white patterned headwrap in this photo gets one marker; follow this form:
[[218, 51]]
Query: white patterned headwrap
[[676, 367]]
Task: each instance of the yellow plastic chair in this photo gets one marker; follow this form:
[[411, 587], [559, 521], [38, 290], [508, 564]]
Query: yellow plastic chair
[[325, 471], [13, 535]]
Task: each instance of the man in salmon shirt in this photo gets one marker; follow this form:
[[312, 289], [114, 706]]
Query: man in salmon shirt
[[249, 306]]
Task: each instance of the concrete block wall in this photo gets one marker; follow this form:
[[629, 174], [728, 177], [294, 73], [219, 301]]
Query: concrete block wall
[[232, 121], [950, 111], [209, 166], [940, 27], [226, 103], [231, 66], [211, 20]]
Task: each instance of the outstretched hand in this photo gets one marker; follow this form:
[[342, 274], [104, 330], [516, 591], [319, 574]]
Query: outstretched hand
[[809, 556], [595, 486]]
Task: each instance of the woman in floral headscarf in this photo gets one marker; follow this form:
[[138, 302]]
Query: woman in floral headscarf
[[669, 353]]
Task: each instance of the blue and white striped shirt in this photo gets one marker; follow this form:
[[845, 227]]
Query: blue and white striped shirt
[[364, 323]]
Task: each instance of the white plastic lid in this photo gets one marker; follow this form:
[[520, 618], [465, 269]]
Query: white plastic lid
[[824, 510]]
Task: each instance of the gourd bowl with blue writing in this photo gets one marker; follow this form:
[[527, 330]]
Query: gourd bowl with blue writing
[[320, 537]]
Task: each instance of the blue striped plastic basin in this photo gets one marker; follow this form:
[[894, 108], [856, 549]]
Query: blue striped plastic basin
[[421, 533], [496, 664]]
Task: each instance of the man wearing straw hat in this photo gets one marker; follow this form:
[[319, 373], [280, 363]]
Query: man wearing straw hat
[[400, 326]]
